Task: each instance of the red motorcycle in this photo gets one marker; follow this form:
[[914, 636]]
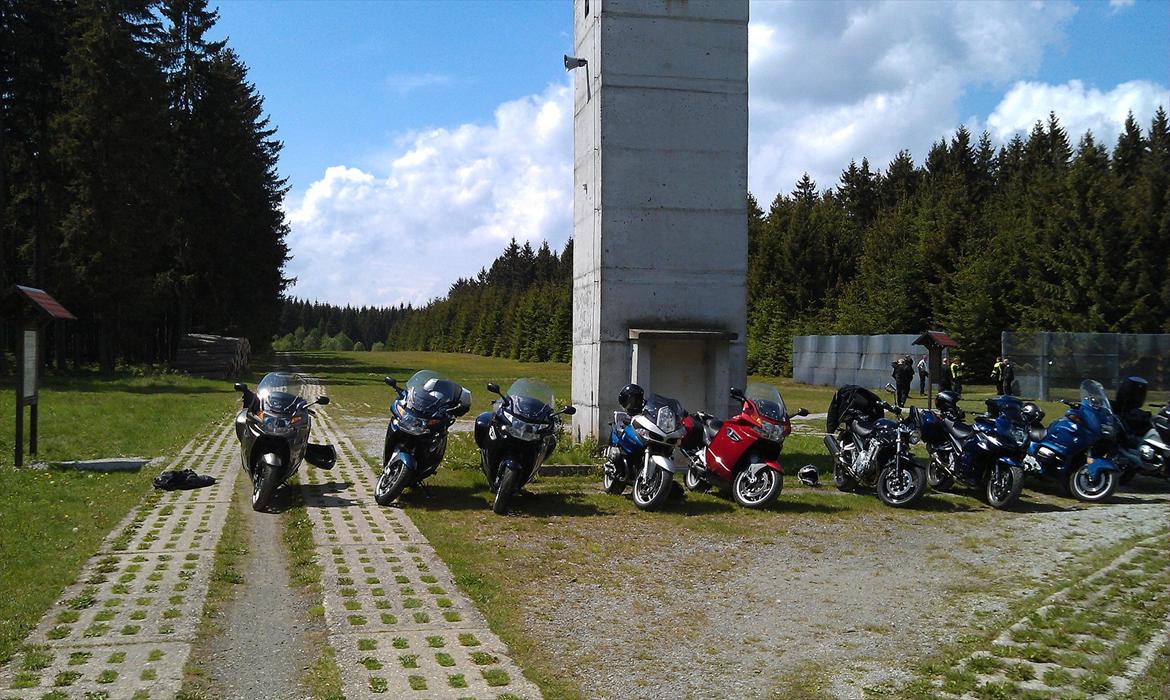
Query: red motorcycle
[[742, 453]]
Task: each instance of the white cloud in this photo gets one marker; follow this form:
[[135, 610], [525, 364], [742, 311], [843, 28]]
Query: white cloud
[[442, 207], [404, 83], [1118, 5], [1079, 108], [842, 80]]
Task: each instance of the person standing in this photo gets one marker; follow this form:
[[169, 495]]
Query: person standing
[[946, 382], [997, 375], [958, 370], [903, 376], [923, 373], [1008, 377]]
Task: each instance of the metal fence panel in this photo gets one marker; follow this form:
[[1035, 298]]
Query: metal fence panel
[[1054, 364], [833, 360]]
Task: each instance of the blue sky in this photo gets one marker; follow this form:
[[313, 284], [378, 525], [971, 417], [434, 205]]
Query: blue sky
[[437, 130]]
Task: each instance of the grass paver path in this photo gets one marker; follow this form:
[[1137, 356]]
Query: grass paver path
[[399, 624], [125, 628]]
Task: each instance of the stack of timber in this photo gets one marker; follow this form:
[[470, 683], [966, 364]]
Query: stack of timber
[[213, 356]]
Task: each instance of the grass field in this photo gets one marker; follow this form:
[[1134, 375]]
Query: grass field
[[52, 520]]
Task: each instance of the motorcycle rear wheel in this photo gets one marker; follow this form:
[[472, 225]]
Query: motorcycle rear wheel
[[694, 482], [899, 486], [612, 484], [758, 493], [263, 488], [391, 483], [504, 490], [1002, 486], [650, 496], [938, 478], [842, 478]]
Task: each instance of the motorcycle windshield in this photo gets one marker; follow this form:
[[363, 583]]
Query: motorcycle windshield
[[767, 399], [1093, 394], [428, 391], [531, 398], [655, 403], [279, 390]]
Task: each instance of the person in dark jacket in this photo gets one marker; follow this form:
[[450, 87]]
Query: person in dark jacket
[[903, 376], [1009, 376], [958, 371], [946, 382]]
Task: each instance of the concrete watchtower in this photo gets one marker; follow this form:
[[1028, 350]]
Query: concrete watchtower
[[660, 202]]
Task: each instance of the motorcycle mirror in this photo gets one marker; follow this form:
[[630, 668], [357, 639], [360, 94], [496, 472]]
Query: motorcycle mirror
[[391, 381], [802, 412], [494, 388], [323, 400], [737, 394], [1157, 405], [241, 387], [569, 410]]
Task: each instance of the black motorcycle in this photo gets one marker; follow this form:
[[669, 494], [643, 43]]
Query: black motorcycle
[[273, 430], [987, 455], [416, 436], [1142, 442], [871, 450], [517, 437]]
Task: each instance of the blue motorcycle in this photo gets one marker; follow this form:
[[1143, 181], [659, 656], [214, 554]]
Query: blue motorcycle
[[640, 451], [1066, 451], [986, 455]]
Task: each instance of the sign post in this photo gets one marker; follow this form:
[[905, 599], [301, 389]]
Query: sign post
[[39, 307]]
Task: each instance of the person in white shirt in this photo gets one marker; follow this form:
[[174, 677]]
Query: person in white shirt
[[923, 373]]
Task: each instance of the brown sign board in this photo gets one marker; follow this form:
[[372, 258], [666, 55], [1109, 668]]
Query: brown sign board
[[40, 300]]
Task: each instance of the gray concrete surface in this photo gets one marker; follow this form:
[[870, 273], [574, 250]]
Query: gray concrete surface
[[660, 201], [399, 624]]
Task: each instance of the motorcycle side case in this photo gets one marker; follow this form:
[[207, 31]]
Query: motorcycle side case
[[932, 427], [321, 456]]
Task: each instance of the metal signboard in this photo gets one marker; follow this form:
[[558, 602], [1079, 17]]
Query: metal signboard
[[29, 354]]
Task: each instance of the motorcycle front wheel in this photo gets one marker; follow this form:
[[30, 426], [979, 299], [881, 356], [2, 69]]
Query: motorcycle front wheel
[[1003, 485], [263, 487], [1084, 488], [392, 482], [759, 491], [899, 485], [504, 489], [650, 495]]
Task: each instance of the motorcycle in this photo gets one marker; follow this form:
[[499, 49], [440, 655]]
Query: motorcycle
[[640, 451], [743, 453], [1143, 443], [273, 429], [517, 437], [871, 450], [1065, 452], [416, 436], [987, 455]]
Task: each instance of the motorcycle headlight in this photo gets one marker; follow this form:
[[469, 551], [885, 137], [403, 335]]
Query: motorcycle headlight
[[1020, 435], [522, 430], [276, 424], [667, 422], [410, 423]]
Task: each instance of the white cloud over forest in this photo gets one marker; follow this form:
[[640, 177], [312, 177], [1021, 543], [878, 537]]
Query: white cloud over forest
[[830, 82]]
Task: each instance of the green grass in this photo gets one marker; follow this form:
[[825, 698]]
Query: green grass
[[1154, 683], [52, 520]]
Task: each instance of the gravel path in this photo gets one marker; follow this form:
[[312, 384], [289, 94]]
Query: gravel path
[[126, 627], [400, 625], [261, 649]]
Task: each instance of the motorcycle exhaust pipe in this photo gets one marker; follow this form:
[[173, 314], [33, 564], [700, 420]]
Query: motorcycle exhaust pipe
[[832, 445]]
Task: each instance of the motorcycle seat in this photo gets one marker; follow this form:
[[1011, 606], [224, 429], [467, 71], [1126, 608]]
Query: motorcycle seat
[[960, 430], [711, 428], [861, 428]]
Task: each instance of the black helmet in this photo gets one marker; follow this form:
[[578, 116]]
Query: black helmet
[[947, 402], [1033, 414], [632, 398], [807, 475]]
